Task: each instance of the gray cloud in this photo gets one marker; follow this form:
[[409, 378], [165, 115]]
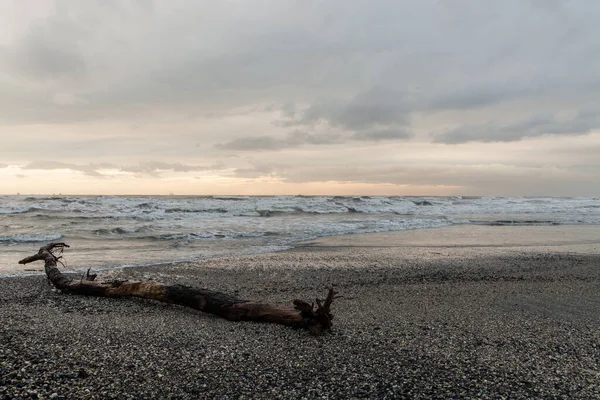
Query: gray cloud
[[80, 73], [373, 115], [383, 134], [385, 59], [42, 55], [375, 107], [473, 97], [152, 168], [256, 143], [586, 152], [257, 170], [299, 138], [376, 114], [295, 139], [541, 124], [90, 169], [470, 179]]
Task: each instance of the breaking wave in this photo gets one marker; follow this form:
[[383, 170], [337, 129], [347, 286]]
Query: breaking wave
[[30, 237], [501, 222], [144, 228], [188, 210], [211, 235]]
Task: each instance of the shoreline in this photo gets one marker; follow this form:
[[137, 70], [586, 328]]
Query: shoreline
[[418, 322], [474, 236], [581, 239]]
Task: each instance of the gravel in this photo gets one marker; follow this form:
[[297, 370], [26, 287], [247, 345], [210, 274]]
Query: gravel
[[413, 323]]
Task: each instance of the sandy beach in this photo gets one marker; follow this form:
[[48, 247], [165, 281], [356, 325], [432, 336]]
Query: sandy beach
[[456, 312]]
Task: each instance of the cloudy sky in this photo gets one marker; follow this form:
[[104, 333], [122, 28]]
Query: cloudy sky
[[300, 97]]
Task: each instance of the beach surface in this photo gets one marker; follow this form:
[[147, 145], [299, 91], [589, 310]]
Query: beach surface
[[454, 312]]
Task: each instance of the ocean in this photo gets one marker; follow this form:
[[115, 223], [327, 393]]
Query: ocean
[[116, 231]]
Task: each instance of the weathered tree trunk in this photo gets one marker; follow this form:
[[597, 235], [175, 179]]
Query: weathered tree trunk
[[303, 315]]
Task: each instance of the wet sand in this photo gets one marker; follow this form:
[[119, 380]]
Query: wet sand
[[464, 312]]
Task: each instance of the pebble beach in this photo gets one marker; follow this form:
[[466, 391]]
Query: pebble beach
[[477, 312]]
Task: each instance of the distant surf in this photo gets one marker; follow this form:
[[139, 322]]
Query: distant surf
[[111, 231]]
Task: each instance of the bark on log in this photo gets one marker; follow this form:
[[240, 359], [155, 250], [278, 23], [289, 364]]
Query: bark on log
[[303, 315]]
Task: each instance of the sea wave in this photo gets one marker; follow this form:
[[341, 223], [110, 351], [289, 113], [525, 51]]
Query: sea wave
[[122, 231], [210, 235], [32, 209], [298, 211], [227, 198], [188, 210], [113, 231], [146, 205], [4, 211], [352, 198], [501, 222], [79, 217], [46, 198], [30, 237]]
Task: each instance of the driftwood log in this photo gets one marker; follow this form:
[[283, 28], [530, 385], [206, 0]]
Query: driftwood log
[[304, 315]]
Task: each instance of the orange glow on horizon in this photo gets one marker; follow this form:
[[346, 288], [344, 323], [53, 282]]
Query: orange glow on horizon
[[77, 183]]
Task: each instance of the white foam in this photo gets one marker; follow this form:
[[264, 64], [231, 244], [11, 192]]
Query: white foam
[[205, 226], [30, 237]]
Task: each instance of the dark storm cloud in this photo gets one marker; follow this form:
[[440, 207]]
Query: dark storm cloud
[[538, 125]]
